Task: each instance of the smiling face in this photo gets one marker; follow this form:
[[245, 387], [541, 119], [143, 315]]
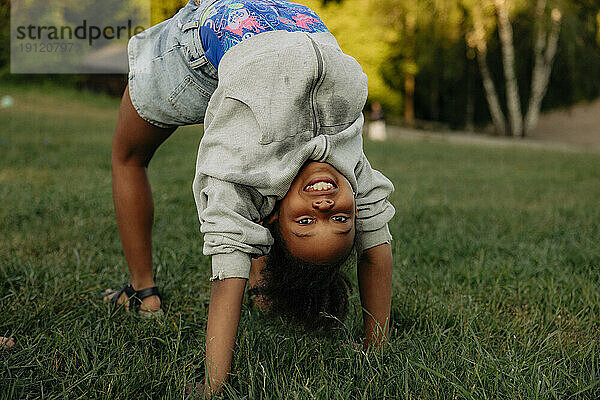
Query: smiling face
[[317, 215]]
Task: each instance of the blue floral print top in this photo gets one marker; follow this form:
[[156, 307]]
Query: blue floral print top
[[228, 22]]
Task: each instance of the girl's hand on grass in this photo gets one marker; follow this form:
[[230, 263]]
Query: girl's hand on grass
[[223, 318], [374, 271]]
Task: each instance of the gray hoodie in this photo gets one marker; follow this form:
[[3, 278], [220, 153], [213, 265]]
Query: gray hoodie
[[283, 98]]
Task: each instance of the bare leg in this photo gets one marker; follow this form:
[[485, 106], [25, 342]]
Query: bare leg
[[134, 144]]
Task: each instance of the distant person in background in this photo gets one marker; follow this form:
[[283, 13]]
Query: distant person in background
[[377, 129]]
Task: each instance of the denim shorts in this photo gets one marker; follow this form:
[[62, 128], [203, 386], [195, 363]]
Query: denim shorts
[[170, 79]]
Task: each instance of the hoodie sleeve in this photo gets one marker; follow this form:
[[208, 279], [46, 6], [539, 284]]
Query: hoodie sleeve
[[229, 216], [374, 209]]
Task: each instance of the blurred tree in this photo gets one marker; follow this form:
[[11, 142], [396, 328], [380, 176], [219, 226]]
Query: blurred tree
[[452, 51], [476, 39], [403, 17], [442, 60], [575, 76], [358, 29], [427, 62], [4, 36], [508, 62], [544, 50], [164, 9]]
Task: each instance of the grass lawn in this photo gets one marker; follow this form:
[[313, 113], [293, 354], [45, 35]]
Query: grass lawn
[[496, 290]]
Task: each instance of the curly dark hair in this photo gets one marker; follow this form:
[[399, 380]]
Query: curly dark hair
[[310, 296]]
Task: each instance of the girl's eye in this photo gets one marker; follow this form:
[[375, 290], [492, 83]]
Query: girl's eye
[[305, 221], [340, 218]]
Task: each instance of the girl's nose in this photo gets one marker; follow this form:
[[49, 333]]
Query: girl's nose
[[323, 204]]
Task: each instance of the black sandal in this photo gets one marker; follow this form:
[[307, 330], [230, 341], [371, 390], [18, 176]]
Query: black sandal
[[135, 298]]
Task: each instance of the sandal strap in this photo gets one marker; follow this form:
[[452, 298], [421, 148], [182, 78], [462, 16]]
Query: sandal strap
[[127, 289], [135, 297], [151, 291], [134, 302]]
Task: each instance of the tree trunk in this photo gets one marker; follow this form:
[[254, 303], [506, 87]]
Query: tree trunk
[[410, 69], [470, 107], [491, 95], [434, 100], [513, 102], [477, 41], [543, 65], [409, 99]]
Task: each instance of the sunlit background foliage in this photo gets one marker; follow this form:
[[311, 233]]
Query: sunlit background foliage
[[424, 43]]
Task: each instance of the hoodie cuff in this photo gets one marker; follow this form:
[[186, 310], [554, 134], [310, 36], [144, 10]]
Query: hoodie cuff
[[230, 265], [369, 239]]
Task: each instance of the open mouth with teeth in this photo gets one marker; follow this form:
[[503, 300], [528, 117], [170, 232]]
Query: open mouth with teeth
[[320, 185]]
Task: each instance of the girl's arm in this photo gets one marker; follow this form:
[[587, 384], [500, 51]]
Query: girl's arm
[[375, 285], [223, 318]]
